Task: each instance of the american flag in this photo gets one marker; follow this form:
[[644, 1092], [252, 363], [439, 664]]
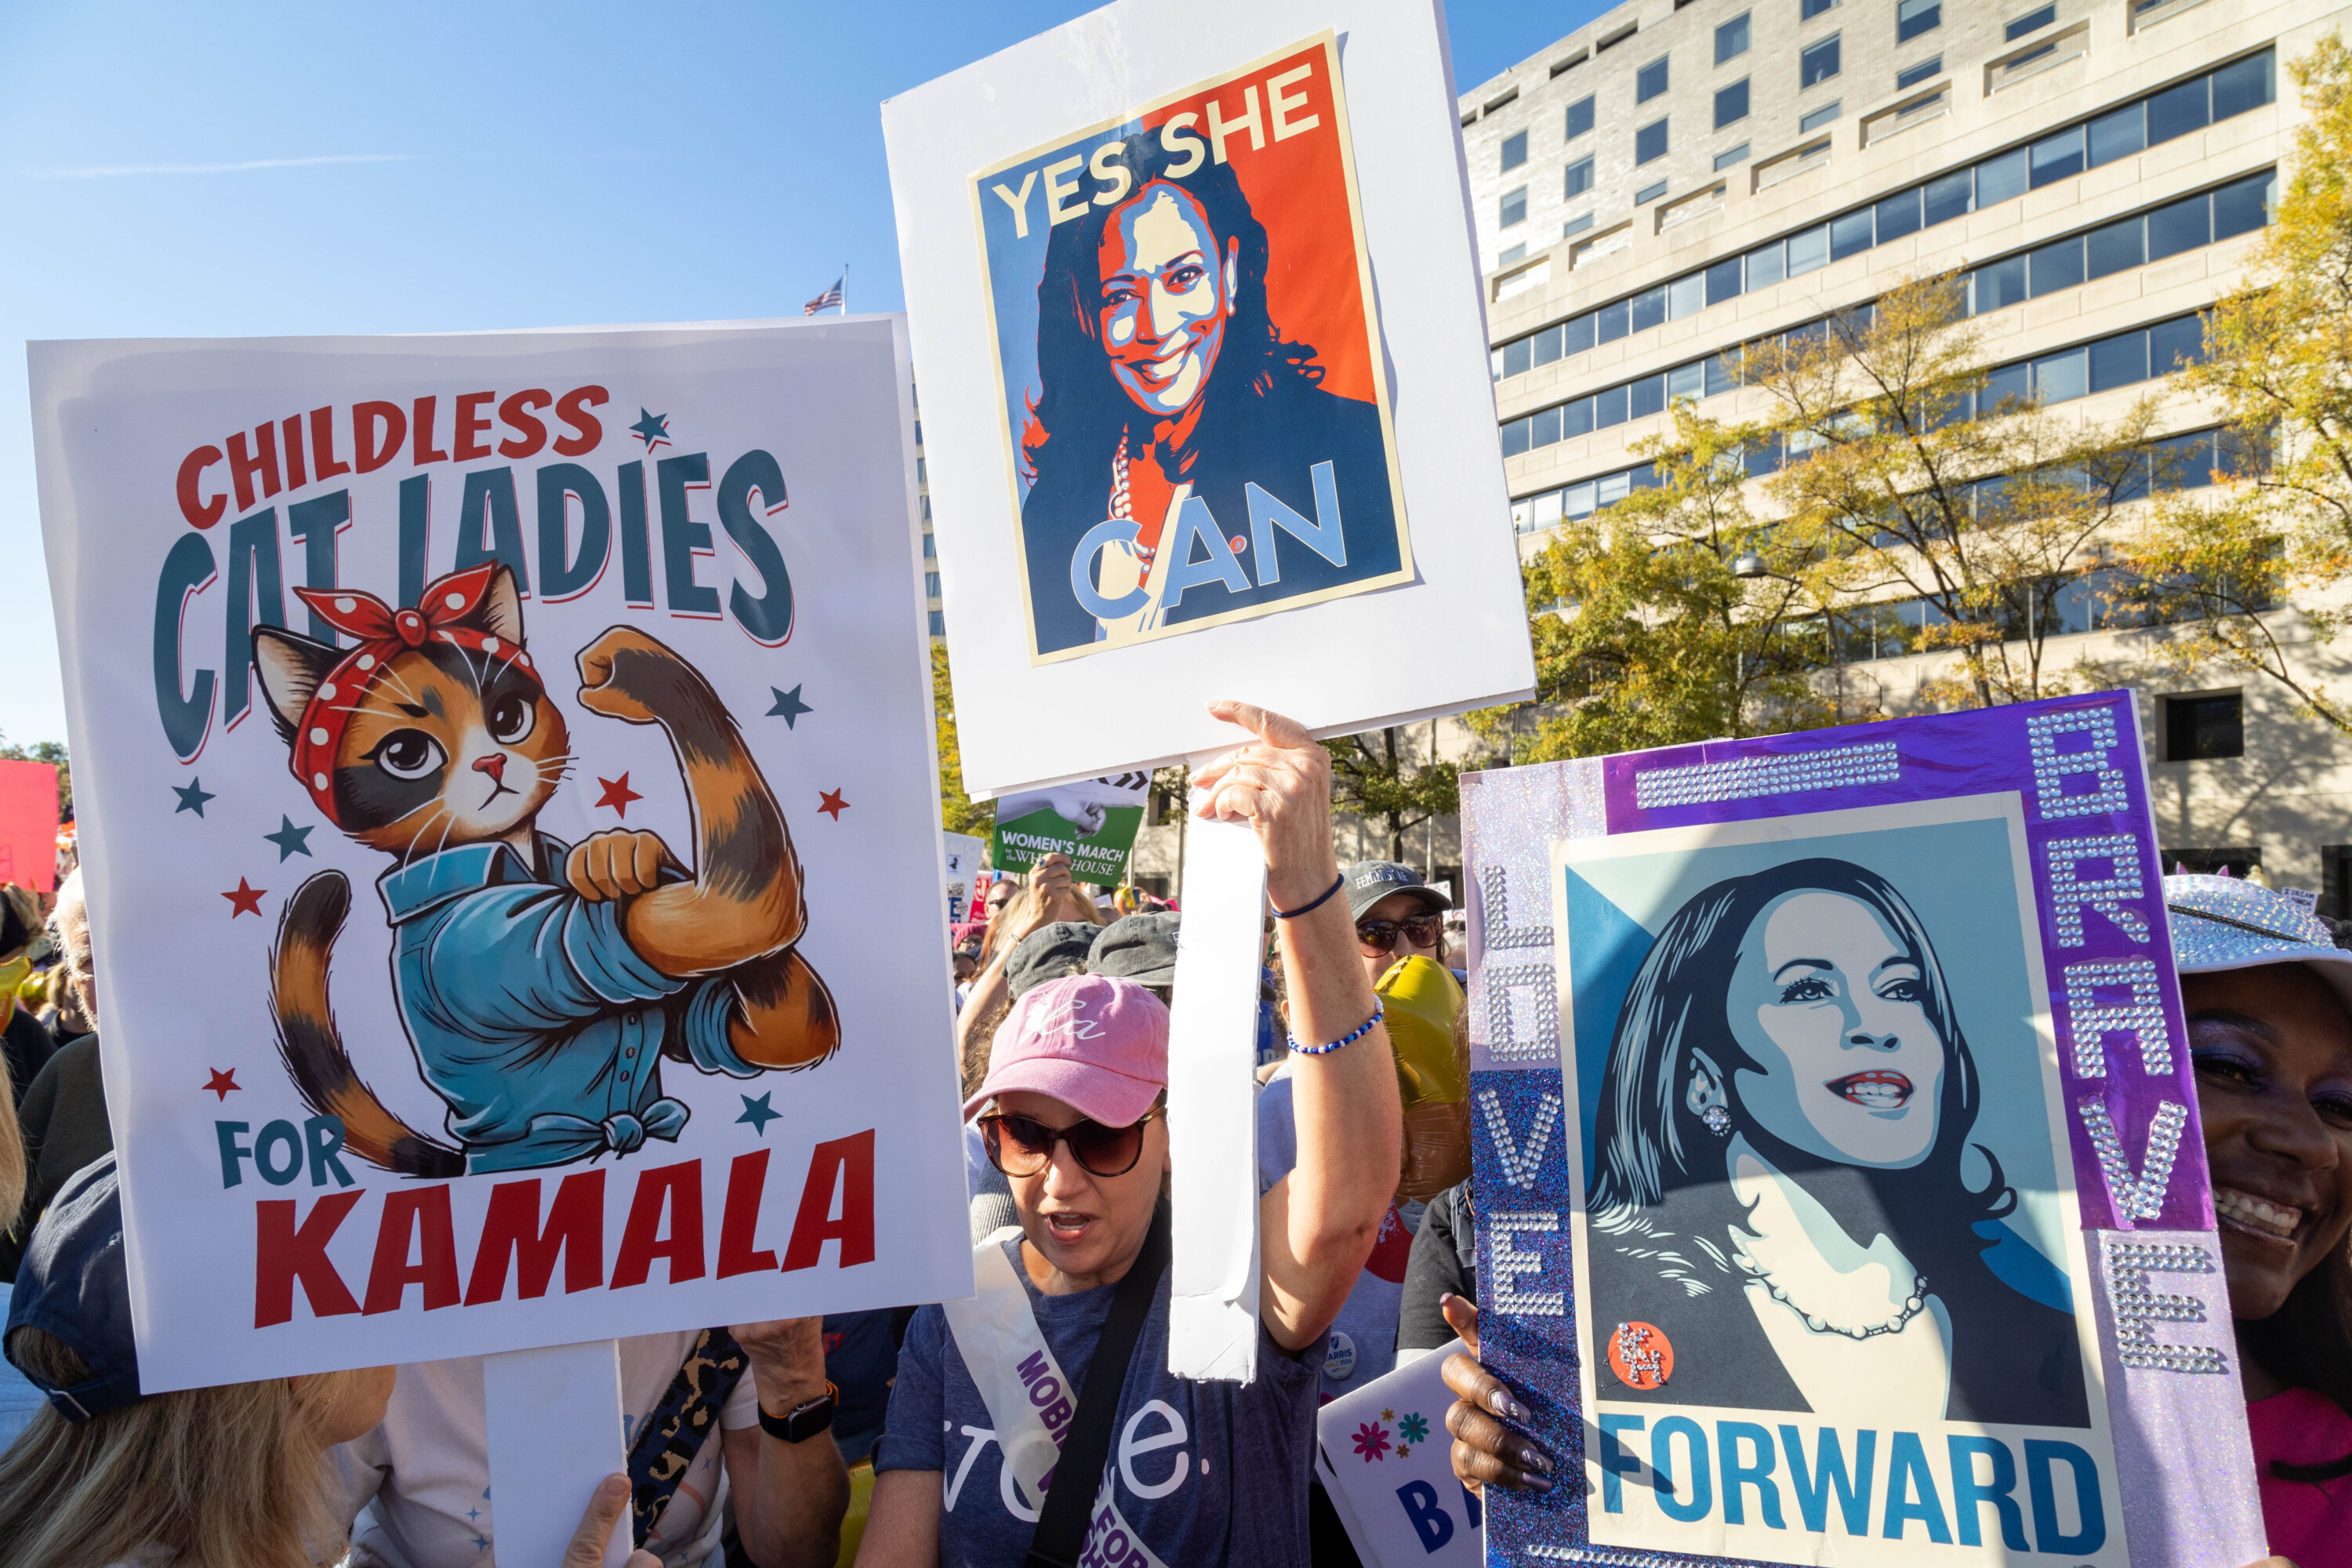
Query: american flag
[[829, 299]]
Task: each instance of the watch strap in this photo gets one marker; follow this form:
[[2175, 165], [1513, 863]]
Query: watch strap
[[804, 1420]]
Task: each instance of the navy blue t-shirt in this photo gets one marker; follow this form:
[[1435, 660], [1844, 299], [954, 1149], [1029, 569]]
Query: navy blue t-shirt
[[1208, 1473]]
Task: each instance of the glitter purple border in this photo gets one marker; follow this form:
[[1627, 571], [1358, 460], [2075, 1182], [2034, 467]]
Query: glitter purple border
[[2076, 765]]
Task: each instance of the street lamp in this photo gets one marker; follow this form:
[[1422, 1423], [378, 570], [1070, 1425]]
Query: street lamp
[[1750, 566]]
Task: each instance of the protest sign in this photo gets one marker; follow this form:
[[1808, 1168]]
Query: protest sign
[[962, 852], [1092, 821], [1386, 1463], [1838, 1167], [28, 825], [1167, 416], [500, 749]]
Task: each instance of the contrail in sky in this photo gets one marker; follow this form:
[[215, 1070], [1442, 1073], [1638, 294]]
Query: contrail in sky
[[117, 170]]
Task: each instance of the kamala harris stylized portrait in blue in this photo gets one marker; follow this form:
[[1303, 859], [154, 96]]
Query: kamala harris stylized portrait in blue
[[1780, 1216]]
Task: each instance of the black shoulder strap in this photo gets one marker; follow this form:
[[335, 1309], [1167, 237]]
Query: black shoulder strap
[[1078, 1473]]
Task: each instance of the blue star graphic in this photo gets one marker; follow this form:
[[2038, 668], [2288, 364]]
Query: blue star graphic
[[193, 796], [758, 1113], [289, 839], [788, 706], [651, 429]]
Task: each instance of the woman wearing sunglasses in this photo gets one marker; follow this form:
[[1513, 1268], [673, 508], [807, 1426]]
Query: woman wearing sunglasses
[[1398, 916], [989, 1391]]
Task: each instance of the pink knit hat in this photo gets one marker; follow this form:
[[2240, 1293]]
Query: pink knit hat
[[1096, 1043]]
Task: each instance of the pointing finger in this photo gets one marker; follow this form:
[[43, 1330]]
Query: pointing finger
[[1270, 727]]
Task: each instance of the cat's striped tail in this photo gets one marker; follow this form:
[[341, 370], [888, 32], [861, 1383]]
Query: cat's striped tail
[[314, 1049]]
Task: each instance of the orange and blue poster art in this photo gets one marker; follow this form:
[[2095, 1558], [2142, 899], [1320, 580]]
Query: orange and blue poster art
[[1198, 426]]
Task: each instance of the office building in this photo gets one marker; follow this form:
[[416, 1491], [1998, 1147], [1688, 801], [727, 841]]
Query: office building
[[1681, 177]]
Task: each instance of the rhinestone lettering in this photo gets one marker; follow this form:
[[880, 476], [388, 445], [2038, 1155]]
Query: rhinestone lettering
[[2141, 1195], [2070, 895], [2052, 768], [1513, 1263], [2138, 1307], [2090, 1020]]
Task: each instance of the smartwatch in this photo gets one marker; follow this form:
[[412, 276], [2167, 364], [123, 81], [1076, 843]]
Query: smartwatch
[[804, 1421]]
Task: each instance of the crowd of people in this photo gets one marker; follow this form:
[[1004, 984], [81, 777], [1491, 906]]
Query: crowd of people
[[915, 1436]]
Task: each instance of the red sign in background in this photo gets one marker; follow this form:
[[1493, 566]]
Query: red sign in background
[[28, 825]]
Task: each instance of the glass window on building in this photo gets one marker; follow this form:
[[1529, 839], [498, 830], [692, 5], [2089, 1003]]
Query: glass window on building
[[1650, 80], [1731, 104], [2032, 22], [938, 624], [2204, 729], [1515, 151], [1819, 117], [1649, 194], [2056, 157], [1912, 17], [1731, 39], [1579, 116], [1650, 142], [1928, 69], [1818, 63], [1730, 155], [1809, 9], [1514, 206], [1579, 177], [930, 584]]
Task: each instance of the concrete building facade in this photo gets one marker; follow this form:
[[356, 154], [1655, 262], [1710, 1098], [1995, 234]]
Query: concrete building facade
[[1680, 177]]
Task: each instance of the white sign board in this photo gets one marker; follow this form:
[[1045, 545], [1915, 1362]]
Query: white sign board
[[1387, 1464], [496, 749], [1207, 404]]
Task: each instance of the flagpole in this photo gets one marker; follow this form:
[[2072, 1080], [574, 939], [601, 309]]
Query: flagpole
[[845, 288]]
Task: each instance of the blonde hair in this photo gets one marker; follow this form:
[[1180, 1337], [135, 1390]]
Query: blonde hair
[[12, 1151], [1026, 906], [214, 1476]]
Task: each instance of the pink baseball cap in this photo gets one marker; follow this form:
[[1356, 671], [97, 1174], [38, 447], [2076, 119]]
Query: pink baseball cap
[[1097, 1043]]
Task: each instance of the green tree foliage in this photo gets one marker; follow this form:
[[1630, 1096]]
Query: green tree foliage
[[54, 754], [1644, 636], [1908, 477], [2279, 367], [1387, 776], [957, 813]]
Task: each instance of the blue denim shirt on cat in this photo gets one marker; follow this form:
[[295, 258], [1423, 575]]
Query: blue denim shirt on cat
[[532, 1016]]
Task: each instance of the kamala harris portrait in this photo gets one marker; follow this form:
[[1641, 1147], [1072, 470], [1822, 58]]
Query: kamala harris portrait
[[1790, 1203], [1196, 414]]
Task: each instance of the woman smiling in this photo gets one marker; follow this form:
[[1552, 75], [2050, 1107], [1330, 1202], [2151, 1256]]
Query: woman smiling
[[1780, 1204]]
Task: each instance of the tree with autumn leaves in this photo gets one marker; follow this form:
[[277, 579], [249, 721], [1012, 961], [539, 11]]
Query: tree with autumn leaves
[[2253, 572]]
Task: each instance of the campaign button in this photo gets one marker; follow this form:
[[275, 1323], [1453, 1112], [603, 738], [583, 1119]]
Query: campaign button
[[1640, 1355], [1339, 1356]]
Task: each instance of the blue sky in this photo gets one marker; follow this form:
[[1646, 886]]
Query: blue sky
[[232, 170]]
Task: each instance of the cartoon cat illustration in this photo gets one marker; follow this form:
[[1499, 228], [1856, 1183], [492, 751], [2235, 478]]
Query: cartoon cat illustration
[[541, 982]]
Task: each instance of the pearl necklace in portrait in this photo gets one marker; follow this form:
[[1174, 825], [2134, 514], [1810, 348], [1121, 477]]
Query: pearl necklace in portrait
[[1911, 1308]]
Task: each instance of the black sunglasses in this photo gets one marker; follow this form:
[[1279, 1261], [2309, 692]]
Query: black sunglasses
[[1380, 936], [1022, 1145]]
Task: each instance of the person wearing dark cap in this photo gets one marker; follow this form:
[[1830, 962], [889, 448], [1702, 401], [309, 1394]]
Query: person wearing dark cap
[[104, 1476], [1050, 953], [108, 1477], [1141, 948], [1397, 915]]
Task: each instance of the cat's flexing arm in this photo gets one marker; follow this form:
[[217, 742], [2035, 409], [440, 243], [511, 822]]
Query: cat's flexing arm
[[745, 908]]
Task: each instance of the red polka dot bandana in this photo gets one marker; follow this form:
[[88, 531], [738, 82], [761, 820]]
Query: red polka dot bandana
[[384, 633]]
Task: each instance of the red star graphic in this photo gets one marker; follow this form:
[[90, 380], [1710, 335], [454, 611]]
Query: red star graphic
[[831, 804], [246, 900], [223, 1083], [617, 794]]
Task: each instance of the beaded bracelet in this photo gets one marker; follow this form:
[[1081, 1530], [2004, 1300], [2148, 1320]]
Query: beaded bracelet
[[1349, 1038]]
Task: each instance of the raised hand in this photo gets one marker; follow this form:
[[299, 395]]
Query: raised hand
[[1281, 786]]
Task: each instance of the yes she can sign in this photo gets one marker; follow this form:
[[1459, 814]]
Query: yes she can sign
[[1840, 1189], [487, 741]]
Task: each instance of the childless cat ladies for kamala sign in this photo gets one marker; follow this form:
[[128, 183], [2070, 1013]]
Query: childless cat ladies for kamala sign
[[487, 740]]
